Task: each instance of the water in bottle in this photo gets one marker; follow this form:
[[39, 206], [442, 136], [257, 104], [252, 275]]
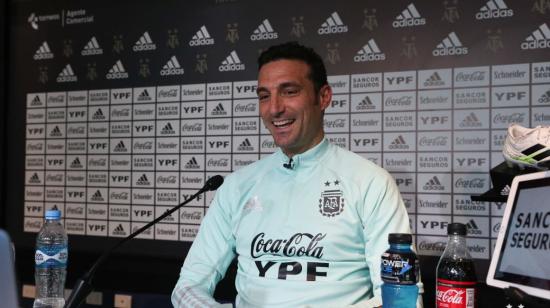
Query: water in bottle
[[400, 273], [51, 262]]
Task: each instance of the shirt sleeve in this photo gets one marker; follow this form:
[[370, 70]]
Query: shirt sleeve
[[383, 213], [208, 259]]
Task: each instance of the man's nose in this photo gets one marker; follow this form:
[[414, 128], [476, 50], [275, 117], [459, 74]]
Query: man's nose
[[276, 105]]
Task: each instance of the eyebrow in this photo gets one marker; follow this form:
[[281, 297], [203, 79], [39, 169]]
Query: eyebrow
[[280, 86]]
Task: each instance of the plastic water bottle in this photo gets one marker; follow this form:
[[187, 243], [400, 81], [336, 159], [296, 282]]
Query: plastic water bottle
[[400, 272], [51, 262]]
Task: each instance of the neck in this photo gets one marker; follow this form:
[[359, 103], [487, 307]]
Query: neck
[[315, 141]]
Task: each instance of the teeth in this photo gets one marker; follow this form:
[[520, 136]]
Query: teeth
[[282, 122]]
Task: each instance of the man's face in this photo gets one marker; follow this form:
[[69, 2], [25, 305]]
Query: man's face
[[289, 106]]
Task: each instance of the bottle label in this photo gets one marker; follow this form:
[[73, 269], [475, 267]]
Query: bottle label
[[400, 268], [455, 294], [52, 256]]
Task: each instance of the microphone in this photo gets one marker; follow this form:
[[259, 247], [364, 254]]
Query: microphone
[[213, 183], [289, 164], [83, 285]]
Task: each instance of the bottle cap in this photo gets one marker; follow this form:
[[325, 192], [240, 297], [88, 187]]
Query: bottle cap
[[456, 228], [53, 214], [399, 238]]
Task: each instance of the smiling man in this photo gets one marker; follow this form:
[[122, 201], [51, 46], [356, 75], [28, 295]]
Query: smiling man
[[292, 104], [308, 223]]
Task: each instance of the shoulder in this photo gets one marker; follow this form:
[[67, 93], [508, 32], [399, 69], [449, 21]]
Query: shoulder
[[234, 191], [359, 171], [252, 172], [354, 164]]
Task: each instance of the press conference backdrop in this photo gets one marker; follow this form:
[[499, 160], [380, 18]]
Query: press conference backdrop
[[121, 110]]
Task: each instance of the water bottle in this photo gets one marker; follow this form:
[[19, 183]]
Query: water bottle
[[51, 262], [400, 272]]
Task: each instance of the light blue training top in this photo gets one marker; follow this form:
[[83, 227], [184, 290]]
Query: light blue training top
[[307, 236]]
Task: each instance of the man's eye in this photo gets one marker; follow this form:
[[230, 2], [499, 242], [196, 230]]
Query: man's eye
[[263, 96], [291, 91]]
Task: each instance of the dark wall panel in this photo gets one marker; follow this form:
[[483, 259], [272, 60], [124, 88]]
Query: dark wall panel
[[103, 95]]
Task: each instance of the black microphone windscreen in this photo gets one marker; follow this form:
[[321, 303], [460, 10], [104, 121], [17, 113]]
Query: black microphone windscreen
[[214, 182]]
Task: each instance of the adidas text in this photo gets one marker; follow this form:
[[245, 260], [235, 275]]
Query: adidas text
[[92, 52], [231, 67], [144, 47], [171, 71], [409, 22], [494, 14], [201, 41], [264, 36], [333, 29], [369, 57], [66, 78], [42, 56], [117, 75], [536, 44], [454, 51]]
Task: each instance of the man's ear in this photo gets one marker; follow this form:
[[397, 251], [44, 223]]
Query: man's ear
[[325, 96]]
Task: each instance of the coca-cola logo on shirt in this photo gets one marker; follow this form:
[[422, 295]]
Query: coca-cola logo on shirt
[[299, 244]]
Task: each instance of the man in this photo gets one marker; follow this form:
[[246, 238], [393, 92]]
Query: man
[[308, 223]]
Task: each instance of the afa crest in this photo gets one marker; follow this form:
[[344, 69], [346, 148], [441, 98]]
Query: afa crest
[[331, 202]]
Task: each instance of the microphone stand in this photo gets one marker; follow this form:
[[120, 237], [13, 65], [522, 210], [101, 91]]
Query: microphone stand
[[83, 285]]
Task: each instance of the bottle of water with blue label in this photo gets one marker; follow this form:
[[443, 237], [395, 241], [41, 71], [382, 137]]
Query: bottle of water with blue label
[[51, 262], [400, 272]]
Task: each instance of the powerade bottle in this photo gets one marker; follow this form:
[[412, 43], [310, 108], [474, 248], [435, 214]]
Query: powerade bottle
[[50, 262], [400, 272]]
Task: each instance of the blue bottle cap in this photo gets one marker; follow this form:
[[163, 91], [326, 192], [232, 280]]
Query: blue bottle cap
[[53, 214]]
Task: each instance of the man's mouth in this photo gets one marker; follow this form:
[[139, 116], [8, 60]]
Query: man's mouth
[[282, 123]]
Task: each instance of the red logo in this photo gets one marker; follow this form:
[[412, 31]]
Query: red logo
[[459, 295], [450, 296]]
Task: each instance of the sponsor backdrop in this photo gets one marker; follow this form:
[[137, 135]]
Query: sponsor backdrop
[[124, 110]]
